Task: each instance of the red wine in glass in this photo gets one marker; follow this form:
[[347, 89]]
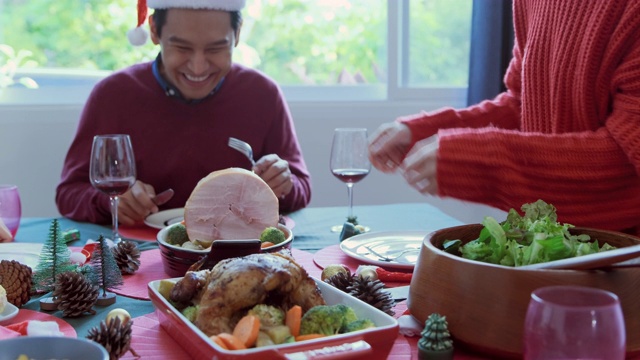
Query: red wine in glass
[[350, 175], [112, 170], [116, 187]]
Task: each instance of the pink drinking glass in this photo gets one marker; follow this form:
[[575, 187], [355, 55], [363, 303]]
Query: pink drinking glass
[[574, 322], [10, 207]]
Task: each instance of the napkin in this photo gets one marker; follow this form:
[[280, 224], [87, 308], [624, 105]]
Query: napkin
[[6, 333]]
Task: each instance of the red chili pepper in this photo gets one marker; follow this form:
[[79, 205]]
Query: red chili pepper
[[385, 275]]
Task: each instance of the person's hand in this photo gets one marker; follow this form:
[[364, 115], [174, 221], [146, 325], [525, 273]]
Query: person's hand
[[137, 203], [389, 145], [275, 172], [419, 167]]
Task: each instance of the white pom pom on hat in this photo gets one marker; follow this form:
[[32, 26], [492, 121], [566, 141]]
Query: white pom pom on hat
[[138, 36]]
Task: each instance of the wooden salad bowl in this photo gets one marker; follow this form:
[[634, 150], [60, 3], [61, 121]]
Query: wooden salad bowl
[[485, 304]]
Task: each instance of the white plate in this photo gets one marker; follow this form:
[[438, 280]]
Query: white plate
[[10, 311], [24, 253], [164, 218], [403, 247]]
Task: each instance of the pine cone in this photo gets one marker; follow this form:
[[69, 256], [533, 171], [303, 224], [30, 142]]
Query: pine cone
[[114, 336], [127, 257], [340, 281], [15, 278], [372, 292], [74, 294]]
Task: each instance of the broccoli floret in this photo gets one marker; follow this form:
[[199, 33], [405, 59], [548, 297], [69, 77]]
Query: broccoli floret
[[190, 312], [269, 315], [326, 319], [272, 234], [177, 235], [359, 324], [348, 315]]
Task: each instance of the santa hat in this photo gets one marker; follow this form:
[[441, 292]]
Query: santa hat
[[138, 36]]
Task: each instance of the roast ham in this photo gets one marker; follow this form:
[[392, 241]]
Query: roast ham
[[230, 204]]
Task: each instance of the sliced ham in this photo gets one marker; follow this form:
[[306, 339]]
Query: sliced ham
[[230, 204]]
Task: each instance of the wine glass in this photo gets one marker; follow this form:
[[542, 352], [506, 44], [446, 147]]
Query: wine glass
[[574, 322], [349, 160], [113, 170], [10, 207]]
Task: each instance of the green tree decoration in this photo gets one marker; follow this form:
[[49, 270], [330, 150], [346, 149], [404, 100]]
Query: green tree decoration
[[106, 270], [54, 260], [436, 340]]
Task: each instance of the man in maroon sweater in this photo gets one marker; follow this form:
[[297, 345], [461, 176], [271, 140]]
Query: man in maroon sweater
[[180, 111]]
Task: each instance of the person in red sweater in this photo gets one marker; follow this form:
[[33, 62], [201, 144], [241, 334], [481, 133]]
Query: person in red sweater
[[566, 130], [180, 111]]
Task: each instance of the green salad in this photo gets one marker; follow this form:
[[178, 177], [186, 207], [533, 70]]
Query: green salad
[[533, 238]]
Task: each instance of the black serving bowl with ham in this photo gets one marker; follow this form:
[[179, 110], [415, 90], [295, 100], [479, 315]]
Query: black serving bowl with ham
[[176, 260]]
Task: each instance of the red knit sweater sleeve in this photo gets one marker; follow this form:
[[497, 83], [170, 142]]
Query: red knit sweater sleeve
[[567, 132]]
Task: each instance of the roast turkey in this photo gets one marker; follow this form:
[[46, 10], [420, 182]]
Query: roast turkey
[[230, 204], [224, 293]]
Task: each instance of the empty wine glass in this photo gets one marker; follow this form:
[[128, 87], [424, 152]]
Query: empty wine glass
[[113, 170], [10, 208], [349, 160], [574, 322]]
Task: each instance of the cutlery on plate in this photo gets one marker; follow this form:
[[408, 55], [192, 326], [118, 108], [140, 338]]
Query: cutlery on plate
[[399, 293], [163, 197], [389, 258], [243, 147]]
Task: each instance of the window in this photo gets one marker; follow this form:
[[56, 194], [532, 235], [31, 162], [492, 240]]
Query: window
[[316, 49]]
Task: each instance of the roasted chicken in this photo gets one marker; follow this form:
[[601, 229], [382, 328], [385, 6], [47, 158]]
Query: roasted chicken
[[225, 293]]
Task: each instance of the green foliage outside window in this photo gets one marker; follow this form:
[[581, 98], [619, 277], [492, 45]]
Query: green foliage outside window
[[297, 42]]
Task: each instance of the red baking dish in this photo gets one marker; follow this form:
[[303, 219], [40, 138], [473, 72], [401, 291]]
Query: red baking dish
[[375, 343]]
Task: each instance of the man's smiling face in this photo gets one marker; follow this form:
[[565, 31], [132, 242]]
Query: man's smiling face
[[196, 49]]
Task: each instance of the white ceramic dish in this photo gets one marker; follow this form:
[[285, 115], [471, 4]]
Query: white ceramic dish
[[375, 343], [24, 253], [400, 247], [164, 218], [10, 311], [42, 347]]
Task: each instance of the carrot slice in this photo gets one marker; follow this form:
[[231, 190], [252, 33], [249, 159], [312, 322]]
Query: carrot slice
[[293, 319], [219, 341], [231, 341], [309, 337], [266, 244], [247, 330]]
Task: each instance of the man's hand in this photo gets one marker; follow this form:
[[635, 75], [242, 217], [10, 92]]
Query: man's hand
[[389, 145], [137, 203], [275, 172], [419, 167]]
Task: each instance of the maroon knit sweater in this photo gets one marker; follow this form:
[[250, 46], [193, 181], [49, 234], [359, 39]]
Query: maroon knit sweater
[[567, 131]]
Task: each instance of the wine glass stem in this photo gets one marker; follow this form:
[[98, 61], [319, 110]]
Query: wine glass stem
[[350, 192], [114, 218]]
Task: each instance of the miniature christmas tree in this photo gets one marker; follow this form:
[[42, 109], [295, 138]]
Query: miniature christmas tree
[[107, 272], [54, 260], [436, 340]]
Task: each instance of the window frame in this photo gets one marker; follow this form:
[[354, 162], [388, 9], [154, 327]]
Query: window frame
[[75, 85]]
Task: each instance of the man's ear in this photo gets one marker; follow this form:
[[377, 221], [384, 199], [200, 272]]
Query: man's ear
[[154, 33], [238, 34]]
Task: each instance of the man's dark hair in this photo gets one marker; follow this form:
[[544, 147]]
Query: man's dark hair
[[160, 18]]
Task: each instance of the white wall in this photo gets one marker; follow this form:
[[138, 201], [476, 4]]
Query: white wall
[[34, 141]]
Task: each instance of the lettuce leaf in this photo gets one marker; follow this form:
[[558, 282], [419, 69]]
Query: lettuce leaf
[[532, 238]]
